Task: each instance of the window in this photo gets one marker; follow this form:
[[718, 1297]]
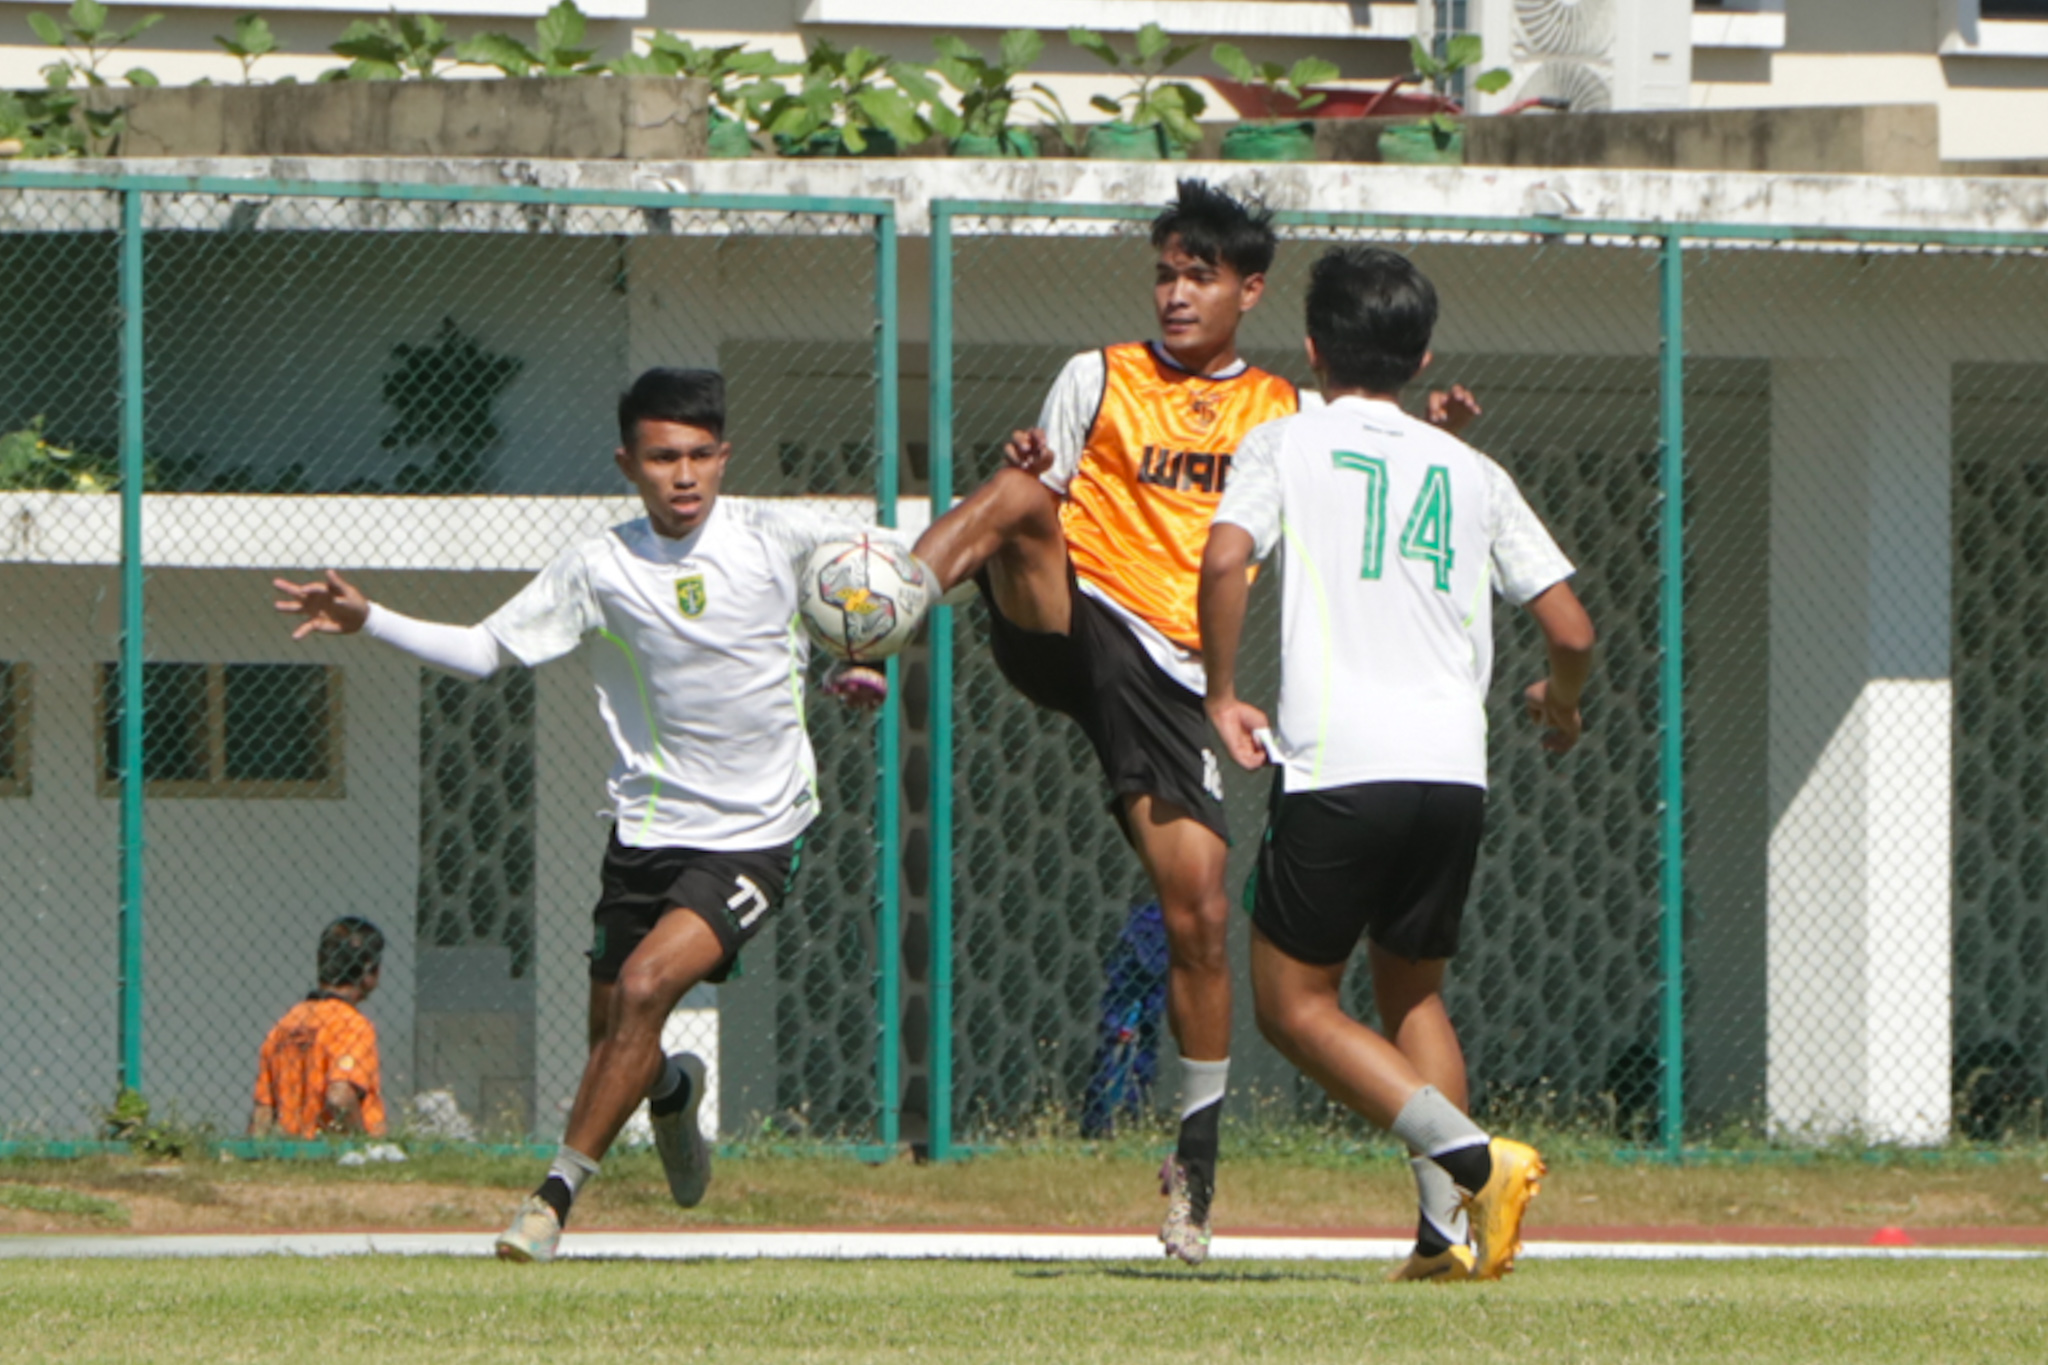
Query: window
[[239, 730], [15, 680], [1994, 28]]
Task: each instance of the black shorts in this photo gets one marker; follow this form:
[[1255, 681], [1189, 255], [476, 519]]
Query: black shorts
[[1150, 734], [734, 893], [1391, 860]]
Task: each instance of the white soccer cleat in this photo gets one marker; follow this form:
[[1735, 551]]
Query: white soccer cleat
[[534, 1234], [1184, 1237], [678, 1137]]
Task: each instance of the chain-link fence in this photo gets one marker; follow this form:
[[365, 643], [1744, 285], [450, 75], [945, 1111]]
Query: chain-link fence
[[415, 387], [1806, 793], [1866, 859], [1777, 804]]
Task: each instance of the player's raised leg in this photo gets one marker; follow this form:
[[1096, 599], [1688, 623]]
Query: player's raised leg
[[1008, 529], [1409, 997], [625, 1066], [1185, 860]]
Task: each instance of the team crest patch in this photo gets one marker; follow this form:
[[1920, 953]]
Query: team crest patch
[[1204, 408], [690, 594]]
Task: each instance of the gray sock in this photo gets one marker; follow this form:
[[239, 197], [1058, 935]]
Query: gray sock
[[665, 1084], [1432, 1126], [572, 1168]]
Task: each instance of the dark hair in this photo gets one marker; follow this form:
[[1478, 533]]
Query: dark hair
[[1370, 314], [694, 398], [1214, 227], [350, 949]]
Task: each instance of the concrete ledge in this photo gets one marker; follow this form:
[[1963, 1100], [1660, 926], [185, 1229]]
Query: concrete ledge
[[1901, 139], [1929, 202], [254, 531], [573, 118]]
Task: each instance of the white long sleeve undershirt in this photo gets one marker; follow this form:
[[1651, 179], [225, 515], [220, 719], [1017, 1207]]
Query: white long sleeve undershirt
[[469, 651]]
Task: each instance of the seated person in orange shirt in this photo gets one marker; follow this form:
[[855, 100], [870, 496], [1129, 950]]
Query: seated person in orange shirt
[[318, 1072]]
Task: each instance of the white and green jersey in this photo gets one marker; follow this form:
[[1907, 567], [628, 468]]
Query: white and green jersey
[[1394, 530], [699, 663]]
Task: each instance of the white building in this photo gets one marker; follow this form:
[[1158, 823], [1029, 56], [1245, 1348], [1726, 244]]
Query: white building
[[1983, 62]]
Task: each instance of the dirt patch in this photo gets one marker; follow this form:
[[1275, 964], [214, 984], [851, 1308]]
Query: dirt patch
[[1054, 1190]]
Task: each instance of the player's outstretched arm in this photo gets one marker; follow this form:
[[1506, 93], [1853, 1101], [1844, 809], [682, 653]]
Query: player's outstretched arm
[[332, 606], [1221, 605], [1568, 631]]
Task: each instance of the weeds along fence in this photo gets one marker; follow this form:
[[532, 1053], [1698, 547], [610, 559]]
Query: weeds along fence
[[203, 385], [1795, 881]]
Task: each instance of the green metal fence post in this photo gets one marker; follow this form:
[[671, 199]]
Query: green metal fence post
[[888, 917], [132, 842], [941, 458], [1671, 687]]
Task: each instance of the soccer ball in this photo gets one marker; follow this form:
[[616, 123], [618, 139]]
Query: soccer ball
[[862, 599]]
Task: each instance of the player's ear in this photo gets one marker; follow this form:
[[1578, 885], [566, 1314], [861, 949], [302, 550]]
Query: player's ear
[[623, 458], [1428, 358], [1315, 357], [1250, 291]]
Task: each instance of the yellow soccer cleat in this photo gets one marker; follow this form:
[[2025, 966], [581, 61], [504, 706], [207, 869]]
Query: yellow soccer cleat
[[1496, 1211], [1448, 1266]]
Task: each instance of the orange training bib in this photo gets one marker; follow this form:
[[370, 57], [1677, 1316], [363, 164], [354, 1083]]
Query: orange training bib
[[1157, 458]]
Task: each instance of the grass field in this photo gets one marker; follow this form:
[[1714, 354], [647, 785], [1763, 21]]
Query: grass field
[[389, 1310]]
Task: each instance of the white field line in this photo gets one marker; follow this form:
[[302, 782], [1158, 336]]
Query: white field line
[[863, 1246]]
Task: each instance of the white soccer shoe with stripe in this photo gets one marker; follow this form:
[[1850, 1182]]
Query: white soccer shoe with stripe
[[534, 1234], [679, 1138]]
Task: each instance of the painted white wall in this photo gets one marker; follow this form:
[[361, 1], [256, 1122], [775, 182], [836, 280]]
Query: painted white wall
[[1836, 52], [59, 893], [238, 890]]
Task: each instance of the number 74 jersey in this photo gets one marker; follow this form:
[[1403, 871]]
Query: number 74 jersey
[[1394, 532]]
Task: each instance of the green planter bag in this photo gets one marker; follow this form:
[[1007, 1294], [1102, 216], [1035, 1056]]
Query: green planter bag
[[1119, 141], [829, 142], [729, 140], [1419, 144], [1271, 142], [1015, 143]]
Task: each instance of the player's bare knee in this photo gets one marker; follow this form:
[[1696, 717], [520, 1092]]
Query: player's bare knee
[[1197, 927], [1022, 501], [1282, 1018], [644, 1000]]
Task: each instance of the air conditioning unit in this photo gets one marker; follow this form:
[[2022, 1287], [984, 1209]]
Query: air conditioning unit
[[1597, 55]]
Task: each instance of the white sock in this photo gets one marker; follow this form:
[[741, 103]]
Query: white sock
[[572, 1168], [665, 1084], [1437, 1196], [1202, 1084]]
